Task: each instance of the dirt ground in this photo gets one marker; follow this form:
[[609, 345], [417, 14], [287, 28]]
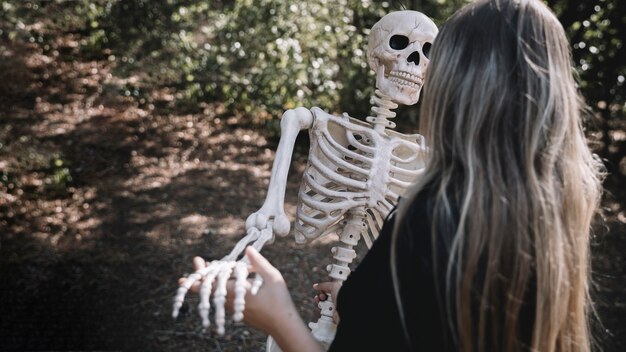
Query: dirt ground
[[105, 199]]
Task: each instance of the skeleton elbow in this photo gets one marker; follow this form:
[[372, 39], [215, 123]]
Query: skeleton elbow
[[281, 226]]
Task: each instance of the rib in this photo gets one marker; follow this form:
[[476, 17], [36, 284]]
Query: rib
[[337, 160], [335, 177], [318, 205], [345, 151], [405, 172], [359, 145], [327, 192], [316, 223], [399, 183]]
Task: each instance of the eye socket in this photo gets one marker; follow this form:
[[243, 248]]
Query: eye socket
[[426, 49], [398, 42]]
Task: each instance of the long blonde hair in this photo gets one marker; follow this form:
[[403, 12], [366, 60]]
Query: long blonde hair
[[513, 178]]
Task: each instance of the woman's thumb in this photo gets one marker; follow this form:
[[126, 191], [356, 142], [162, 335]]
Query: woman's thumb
[[260, 264], [326, 287]]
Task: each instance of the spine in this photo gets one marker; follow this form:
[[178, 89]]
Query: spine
[[343, 254], [382, 109]]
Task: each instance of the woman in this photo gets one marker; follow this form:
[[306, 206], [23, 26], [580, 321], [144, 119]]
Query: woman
[[490, 249]]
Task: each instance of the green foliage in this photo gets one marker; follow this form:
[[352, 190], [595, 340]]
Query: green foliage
[[265, 56], [261, 57], [596, 30], [276, 55]]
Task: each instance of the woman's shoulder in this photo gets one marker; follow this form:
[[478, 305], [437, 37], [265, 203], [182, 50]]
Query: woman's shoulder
[[418, 209], [418, 232]]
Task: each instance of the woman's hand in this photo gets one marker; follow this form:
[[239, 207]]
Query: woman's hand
[[271, 302], [272, 306], [271, 310], [325, 289]]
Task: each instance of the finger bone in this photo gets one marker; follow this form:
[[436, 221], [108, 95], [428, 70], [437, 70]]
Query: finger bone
[[205, 292], [241, 274], [256, 284], [182, 291], [220, 296]]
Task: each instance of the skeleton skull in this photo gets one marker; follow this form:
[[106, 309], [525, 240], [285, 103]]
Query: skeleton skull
[[398, 51]]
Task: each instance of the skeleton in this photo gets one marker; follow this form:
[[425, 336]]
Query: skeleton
[[355, 172]]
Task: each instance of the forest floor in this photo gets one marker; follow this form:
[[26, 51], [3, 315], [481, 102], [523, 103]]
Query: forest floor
[[106, 198]]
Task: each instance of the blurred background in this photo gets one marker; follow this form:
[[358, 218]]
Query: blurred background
[[137, 134]]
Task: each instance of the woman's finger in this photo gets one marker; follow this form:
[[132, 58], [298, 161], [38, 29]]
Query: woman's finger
[[198, 263], [326, 287], [260, 265], [320, 298]]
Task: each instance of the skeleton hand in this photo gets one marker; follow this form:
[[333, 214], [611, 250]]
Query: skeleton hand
[[268, 309], [217, 272], [220, 271]]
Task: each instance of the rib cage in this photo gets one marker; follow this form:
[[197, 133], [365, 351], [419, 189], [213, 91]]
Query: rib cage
[[351, 165]]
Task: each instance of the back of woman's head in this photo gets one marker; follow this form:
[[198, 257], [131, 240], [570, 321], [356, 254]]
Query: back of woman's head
[[515, 180]]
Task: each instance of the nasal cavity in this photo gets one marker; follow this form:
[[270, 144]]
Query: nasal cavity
[[414, 58]]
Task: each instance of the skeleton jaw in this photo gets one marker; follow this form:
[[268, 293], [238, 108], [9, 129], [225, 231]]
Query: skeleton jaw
[[402, 86], [404, 78]]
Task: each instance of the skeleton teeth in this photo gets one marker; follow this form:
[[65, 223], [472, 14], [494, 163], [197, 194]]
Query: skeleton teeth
[[405, 79], [401, 76]]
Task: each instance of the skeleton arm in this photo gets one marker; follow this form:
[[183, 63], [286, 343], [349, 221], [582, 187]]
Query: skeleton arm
[[293, 121], [260, 227], [271, 218]]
